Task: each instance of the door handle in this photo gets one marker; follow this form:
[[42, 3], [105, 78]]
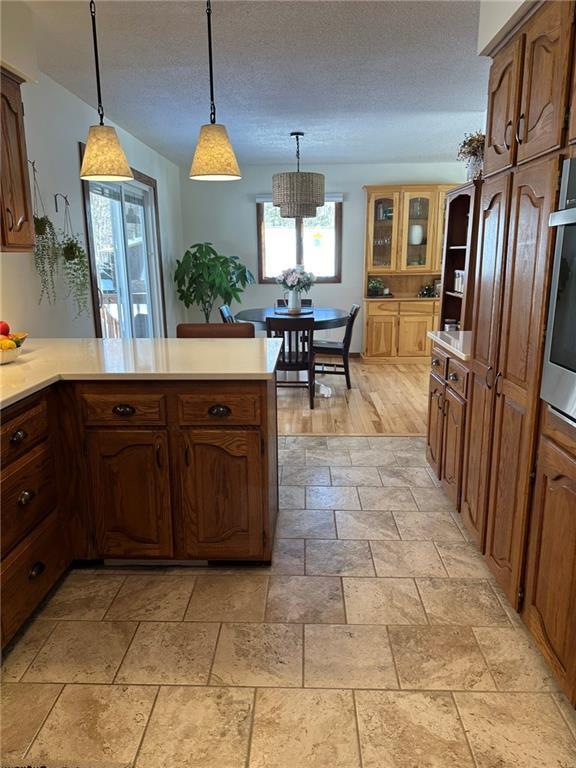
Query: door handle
[[220, 411], [521, 119], [489, 370], [10, 219], [158, 455], [506, 129], [122, 409], [496, 380]]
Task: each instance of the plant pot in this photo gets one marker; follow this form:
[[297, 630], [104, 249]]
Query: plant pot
[[474, 168], [294, 302]]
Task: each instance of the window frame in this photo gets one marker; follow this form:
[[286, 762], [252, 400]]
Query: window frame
[[336, 278], [150, 182]]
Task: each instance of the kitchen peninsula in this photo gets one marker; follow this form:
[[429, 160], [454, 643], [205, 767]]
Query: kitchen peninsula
[[134, 449]]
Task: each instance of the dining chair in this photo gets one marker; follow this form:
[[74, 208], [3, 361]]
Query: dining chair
[[338, 349], [297, 352], [215, 331], [283, 303], [226, 314]]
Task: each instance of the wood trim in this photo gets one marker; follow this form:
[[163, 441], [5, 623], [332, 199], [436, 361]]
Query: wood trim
[[338, 219], [152, 183]]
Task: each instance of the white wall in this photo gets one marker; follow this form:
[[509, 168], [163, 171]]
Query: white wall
[[496, 18], [55, 121], [224, 213], [17, 49]]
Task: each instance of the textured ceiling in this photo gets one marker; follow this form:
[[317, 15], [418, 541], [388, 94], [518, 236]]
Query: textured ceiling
[[367, 81]]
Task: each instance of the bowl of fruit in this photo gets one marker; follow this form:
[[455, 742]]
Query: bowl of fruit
[[10, 343]]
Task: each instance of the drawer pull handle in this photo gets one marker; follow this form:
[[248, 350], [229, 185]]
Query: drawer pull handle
[[37, 570], [453, 376], [18, 436], [25, 498], [435, 361], [124, 410], [220, 411]]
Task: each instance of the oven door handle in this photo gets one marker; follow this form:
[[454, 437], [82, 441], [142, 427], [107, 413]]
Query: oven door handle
[[561, 218]]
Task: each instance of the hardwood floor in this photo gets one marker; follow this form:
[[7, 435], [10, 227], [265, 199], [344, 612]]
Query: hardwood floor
[[384, 400]]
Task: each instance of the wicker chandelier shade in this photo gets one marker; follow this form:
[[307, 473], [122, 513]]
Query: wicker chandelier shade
[[298, 193]]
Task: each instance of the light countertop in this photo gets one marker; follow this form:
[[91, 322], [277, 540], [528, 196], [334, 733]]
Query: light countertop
[[458, 343], [46, 361]]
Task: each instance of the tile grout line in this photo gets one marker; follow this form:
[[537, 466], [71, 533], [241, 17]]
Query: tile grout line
[[553, 695], [213, 659], [120, 586], [43, 723], [485, 658], [358, 740], [303, 655], [145, 729], [393, 655], [441, 558], [189, 601], [113, 681], [251, 729], [465, 732], [54, 623]]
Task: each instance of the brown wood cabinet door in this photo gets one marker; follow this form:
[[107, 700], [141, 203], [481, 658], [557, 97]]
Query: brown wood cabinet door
[[435, 418], [550, 600], [572, 124], [412, 335], [485, 333], [518, 378], [131, 489], [221, 504], [452, 445], [381, 336], [503, 103], [545, 80], [16, 220]]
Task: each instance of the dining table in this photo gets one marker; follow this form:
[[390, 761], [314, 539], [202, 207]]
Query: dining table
[[325, 318]]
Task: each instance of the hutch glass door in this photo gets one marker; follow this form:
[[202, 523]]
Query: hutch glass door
[[417, 234], [384, 213]]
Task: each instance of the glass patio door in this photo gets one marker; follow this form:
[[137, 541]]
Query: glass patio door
[[125, 259]]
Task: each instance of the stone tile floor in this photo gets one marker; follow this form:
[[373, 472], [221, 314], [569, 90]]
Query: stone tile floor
[[377, 639]]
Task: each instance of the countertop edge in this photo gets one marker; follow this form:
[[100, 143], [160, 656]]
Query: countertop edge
[[445, 344]]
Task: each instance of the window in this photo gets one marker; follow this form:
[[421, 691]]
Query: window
[[125, 258], [315, 243]]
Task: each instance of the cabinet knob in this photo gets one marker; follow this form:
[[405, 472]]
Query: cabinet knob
[[18, 436], [122, 409], [220, 411], [37, 570], [453, 376], [25, 498], [435, 361]]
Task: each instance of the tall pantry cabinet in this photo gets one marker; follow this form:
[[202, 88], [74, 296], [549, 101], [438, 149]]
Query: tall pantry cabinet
[[528, 117]]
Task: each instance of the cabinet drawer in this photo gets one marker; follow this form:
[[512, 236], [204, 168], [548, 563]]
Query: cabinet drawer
[[22, 432], [123, 409], [457, 377], [439, 362], [417, 307], [29, 572], [385, 307], [28, 494], [203, 408]]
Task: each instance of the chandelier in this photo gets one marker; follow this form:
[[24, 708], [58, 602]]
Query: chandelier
[[297, 193]]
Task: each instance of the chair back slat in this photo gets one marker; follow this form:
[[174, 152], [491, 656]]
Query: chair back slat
[[354, 309], [215, 331], [226, 314]]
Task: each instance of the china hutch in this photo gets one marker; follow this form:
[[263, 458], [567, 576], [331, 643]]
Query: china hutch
[[404, 234]]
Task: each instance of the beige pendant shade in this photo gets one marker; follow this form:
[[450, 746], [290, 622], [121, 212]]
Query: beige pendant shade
[[104, 158], [298, 193], [214, 158]]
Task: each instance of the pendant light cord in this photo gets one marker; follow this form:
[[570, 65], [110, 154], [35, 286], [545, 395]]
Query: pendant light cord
[[96, 61], [298, 153], [210, 63]]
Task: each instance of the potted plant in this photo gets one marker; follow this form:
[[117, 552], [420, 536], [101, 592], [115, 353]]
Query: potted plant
[[204, 275], [471, 150], [295, 281], [76, 271], [375, 287]]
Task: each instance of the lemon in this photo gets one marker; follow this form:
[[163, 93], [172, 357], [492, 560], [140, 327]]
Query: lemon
[[7, 344]]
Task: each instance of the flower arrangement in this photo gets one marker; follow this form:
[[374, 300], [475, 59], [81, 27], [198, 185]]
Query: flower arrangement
[[471, 150], [296, 279]]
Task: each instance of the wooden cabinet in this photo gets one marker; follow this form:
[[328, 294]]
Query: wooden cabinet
[[131, 490], [403, 228], [485, 335], [16, 218], [540, 123], [221, 495], [517, 380], [503, 102], [453, 412], [436, 388], [571, 137], [550, 592], [397, 330]]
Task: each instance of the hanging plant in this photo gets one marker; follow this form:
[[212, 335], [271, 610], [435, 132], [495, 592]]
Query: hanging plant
[[46, 247], [75, 263]]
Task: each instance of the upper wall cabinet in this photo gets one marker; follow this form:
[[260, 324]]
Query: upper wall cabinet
[[572, 124], [545, 80], [527, 91], [16, 219], [503, 99], [403, 227]]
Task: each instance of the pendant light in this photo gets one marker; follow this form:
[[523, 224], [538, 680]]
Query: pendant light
[[298, 193], [214, 158], [104, 158]]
